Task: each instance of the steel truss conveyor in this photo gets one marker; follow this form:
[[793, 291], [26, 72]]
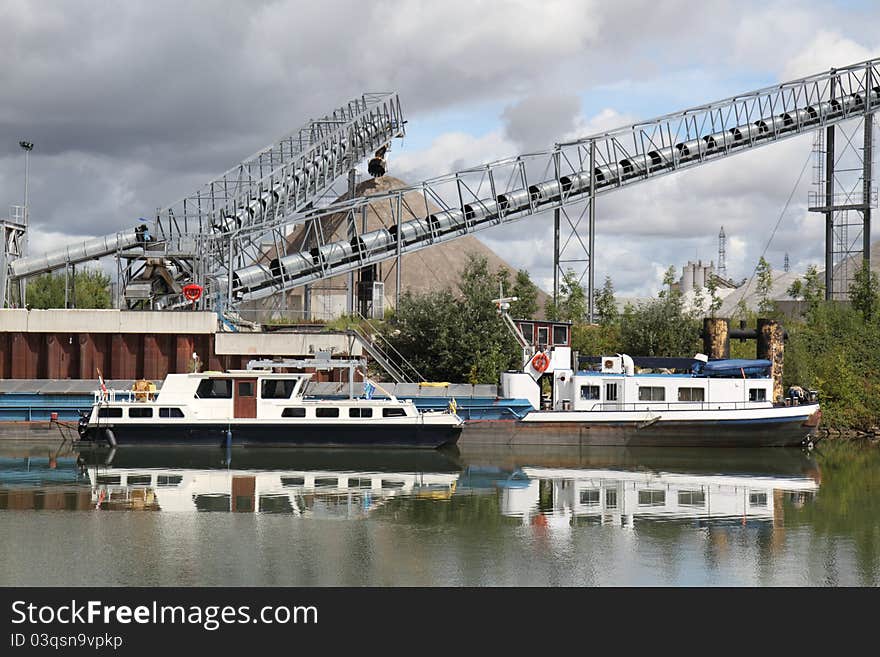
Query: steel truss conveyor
[[279, 180], [575, 172]]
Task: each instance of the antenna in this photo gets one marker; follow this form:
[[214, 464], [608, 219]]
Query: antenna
[[722, 253]]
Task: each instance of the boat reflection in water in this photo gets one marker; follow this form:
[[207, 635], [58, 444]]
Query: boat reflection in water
[[618, 486], [552, 487], [307, 483]]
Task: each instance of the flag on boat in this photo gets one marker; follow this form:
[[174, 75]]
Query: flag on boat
[[369, 389]]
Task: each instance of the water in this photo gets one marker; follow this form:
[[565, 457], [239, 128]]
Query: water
[[474, 516]]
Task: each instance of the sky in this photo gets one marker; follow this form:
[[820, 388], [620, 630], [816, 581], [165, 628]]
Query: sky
[[134, 105]]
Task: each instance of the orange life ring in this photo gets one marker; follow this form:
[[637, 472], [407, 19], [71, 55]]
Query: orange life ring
[[540, 361]]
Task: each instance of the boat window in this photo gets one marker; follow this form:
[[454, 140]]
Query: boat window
[[214, 389], [528, 331], [245, 388], [391, 483], [275, 504], [393, 412], [108, 480], [294, 412], [543, 335], [610, 392], [589, 392], [757, 394], [610, 498], [138, 480], [757, 499], [652, 497], [170, 412], [109, 412], [326, 412], [360, 412], [360, 482], [590, 497], [691, 394], [140, 412], [326, 482], [213, 502], [652, 393], [169, 480], [560, 335], [289, 482], [277, 388], [691, 498]]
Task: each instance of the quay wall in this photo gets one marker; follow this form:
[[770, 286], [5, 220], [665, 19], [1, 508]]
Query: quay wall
[[75, 344]]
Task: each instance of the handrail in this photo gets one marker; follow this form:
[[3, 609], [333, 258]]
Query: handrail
[[393, 348], [676, 406]]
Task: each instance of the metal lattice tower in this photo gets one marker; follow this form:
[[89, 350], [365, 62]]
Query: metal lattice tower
[[843, 176], [786, 265], [722, 253]]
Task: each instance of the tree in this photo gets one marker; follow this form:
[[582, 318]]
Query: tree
[[662, 326], [714, 299], [526, 293], [572, 304], [865, 291], [809, 289], [457, 337], [92, 290], [605, 304], [764, 284]]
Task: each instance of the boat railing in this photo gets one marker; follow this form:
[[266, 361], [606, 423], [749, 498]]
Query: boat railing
[[676, 406], [113, 396]]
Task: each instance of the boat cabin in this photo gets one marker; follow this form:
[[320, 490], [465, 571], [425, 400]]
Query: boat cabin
[[616, 386], [242, 394], [542, 334]]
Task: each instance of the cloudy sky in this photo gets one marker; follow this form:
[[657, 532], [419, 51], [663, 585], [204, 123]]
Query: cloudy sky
[[133, 105]]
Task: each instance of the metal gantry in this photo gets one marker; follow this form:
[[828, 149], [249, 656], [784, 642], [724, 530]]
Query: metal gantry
[[280, 180], [233, 235], [568, 177]]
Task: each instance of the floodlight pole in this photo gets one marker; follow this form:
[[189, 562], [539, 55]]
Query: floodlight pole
[[27, 147]]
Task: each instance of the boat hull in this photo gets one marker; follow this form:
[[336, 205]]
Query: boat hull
[[425, 436], [763, 432]]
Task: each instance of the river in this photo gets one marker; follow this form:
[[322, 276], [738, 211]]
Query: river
[[472, 516]]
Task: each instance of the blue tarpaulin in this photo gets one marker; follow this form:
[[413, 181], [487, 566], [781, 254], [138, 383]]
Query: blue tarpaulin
[[735, 366]]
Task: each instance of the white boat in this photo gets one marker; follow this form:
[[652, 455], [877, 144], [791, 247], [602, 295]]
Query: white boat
[[717, 403], [247, 407]]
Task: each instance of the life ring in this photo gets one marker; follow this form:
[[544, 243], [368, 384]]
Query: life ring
[[192, 292], [540, 362]]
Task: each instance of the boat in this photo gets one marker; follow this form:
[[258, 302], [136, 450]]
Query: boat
[[717, 403], [259, 407]]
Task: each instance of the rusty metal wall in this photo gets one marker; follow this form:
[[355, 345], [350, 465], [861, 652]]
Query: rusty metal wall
[[118, 355]]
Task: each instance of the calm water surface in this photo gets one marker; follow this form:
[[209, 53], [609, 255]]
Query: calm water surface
[[473, 516]]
